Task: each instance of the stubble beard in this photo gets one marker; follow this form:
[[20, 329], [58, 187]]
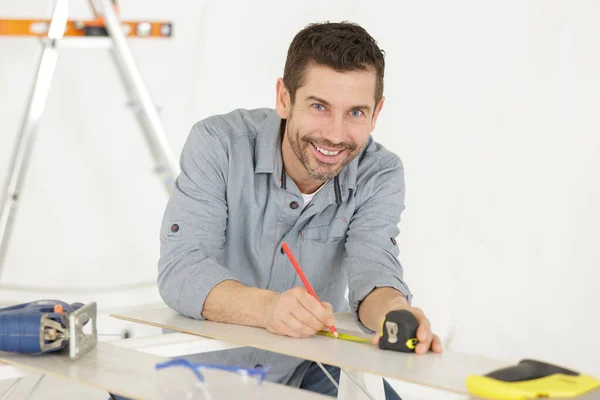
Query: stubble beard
[[322, 171]]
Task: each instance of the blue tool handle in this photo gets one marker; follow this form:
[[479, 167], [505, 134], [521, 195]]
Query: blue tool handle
[[20, 325], [20, 332], [41, 306]]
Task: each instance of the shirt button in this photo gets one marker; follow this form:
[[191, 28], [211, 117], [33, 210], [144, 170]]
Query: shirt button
[[174, 228], [294, 205]]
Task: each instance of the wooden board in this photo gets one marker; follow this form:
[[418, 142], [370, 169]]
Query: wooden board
[[132, 374], [8, 371], [446, 371]]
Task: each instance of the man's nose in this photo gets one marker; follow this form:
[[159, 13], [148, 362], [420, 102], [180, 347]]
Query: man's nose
[[335, 130]]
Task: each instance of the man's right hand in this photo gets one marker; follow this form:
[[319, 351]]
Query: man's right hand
[[297, 314]]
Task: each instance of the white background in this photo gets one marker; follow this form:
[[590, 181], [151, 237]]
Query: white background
[[492, 106]]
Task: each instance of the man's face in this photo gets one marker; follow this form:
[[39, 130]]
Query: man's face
[[331, 119]]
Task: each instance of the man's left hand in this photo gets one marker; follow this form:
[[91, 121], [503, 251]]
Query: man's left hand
[[427, 339]]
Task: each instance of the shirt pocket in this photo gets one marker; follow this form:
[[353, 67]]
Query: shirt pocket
[[322, 252], [331, 232]]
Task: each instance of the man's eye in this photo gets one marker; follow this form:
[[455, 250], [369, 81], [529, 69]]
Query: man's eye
[[318, 107], [356, 113]]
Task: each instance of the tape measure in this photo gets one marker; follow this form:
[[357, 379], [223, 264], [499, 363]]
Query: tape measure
[[398, 332], [531, 379], [345, 336]]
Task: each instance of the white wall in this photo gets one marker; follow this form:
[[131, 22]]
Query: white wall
[[491, 105]]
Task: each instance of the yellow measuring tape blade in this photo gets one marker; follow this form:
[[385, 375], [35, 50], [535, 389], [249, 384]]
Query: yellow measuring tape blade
[[344, 336]]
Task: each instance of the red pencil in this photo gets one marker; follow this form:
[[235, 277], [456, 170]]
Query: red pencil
[[305, 281]]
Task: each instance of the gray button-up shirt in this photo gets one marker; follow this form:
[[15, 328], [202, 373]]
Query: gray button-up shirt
[[233, 208]]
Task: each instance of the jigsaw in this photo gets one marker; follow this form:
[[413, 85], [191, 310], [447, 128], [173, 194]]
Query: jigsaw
[[45, 326]]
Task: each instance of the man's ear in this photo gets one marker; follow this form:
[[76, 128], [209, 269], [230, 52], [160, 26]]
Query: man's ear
[[282, 101], [377, 111]]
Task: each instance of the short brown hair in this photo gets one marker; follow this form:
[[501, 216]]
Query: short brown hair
[[343, 46]]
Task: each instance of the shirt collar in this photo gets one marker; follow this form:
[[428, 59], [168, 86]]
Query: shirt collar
[[267, 153], [268, 144]]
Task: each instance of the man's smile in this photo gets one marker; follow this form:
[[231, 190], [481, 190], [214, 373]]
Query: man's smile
[[327, 155]]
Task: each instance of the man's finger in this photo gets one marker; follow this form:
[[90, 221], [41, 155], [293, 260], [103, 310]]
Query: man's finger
[[436, 344], [424, 330], [299, 329], [328, 306], [375, 339], [320, 312], [307, 318], [281, 328], [423, 347]]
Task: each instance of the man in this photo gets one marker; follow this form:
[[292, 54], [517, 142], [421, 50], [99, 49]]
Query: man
[[309, 174]]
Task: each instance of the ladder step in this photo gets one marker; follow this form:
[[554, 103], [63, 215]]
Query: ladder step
[[39, 28]]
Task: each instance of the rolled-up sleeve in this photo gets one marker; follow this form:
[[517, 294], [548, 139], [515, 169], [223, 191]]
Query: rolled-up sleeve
[[371, 248], [192, 234]]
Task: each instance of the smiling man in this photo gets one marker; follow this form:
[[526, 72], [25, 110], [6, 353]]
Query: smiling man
[[310, 174]]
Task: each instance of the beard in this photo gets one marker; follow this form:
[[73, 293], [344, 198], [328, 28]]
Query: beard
[[316, 168]]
